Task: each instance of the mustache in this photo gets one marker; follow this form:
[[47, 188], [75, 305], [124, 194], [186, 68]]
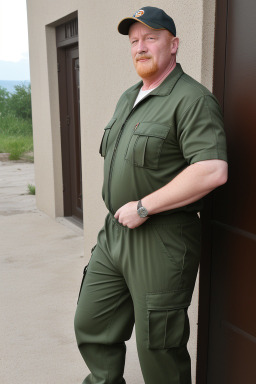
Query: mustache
[[142, 56]]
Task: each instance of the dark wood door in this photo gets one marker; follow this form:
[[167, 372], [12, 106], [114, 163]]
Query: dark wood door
[[232, 315], [69, 85], [73, 98]]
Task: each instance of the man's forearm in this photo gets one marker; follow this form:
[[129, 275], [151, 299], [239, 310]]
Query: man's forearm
[[190, 185], [196, 181]]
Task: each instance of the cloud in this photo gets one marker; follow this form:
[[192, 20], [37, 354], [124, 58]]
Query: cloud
[[13, 31]]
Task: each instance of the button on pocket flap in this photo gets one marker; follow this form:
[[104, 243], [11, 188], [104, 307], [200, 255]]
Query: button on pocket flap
[[152, 129], [109, 125], [169, 300]]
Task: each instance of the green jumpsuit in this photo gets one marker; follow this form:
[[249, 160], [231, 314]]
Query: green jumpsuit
[[145, 276]]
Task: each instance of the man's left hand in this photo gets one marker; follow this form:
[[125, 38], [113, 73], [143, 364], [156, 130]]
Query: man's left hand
[[128, 216]]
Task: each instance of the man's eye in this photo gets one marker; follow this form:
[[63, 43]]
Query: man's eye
[[134, 41]]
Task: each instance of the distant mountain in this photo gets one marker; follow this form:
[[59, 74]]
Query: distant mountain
[[14, 70], [9, 84]]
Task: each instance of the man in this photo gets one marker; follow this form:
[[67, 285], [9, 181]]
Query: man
[[164, 150]]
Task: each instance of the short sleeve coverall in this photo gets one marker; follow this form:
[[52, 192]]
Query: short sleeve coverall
[[146, 275]]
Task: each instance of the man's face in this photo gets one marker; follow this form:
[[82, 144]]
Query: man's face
[[152, 50]]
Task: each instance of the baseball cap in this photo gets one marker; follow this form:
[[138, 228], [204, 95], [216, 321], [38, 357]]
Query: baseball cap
[[152, 17]]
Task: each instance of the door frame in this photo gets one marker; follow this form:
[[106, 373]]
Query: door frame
[[205, 264]]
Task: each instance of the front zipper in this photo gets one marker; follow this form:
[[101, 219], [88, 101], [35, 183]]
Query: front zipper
[[112, 161], [115, 149]]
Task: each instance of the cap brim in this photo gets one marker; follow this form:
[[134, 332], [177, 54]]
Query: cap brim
[[124, 25]]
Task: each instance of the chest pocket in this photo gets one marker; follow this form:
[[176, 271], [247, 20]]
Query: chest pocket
[[145, 146], [104, 141]]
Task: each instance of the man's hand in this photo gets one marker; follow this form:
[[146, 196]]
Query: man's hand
[[128, 216]]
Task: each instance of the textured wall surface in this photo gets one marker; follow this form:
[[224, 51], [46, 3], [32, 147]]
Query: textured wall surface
[[106, 70]]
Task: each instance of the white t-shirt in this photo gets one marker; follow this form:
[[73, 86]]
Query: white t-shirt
[[142, 94]]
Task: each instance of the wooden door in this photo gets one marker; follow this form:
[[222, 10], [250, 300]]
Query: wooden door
[[231, 272], [69, 86], [73, 99]]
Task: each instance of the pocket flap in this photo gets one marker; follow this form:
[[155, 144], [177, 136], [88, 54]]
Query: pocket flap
[[169, 300], [109, 125], [152, 129]]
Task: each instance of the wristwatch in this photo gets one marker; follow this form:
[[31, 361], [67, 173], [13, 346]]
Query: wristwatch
[[142, 211]]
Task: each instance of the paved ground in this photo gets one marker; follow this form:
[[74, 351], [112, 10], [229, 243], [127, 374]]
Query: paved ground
[[41, 261]]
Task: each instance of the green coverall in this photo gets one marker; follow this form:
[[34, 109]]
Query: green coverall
[[146, 275]]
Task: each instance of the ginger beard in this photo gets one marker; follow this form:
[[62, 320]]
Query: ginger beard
[[147, 68]]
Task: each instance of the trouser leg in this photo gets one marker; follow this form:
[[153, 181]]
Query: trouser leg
[[160, 273], [165, 363], [158, 263], [104, 318]]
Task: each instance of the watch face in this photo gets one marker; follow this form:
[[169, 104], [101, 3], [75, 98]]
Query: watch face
[[142, 212]]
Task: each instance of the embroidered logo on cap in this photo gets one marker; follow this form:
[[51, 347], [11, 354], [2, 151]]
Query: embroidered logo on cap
[[139, 13]]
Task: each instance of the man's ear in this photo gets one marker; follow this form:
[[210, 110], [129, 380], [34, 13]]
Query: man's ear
[[174, 45]]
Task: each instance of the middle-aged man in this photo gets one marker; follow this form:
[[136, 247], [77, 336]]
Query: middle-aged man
[[164, 149]]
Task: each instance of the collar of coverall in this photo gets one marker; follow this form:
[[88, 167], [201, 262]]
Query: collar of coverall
[[164, 89]]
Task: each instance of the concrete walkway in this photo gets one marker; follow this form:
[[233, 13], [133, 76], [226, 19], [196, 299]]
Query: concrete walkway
[[41, 262]]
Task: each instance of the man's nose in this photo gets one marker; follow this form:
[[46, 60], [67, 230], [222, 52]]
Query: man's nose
[[141, 46]]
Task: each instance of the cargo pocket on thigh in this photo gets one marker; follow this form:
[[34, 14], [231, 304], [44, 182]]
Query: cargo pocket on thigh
[[168, 324], [84, 274]]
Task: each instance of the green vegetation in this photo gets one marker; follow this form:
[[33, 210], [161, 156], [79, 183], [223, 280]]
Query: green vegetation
[[16, 135], [31, 189]]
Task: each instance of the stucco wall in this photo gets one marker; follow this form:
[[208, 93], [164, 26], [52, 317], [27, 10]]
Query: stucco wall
[[106, 70]]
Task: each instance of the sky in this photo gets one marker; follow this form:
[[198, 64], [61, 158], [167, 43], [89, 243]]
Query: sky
[[14, 60]]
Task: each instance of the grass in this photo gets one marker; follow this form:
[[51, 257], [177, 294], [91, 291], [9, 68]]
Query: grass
[[16, 145], [11, 125], [15, 136], [31, 189]]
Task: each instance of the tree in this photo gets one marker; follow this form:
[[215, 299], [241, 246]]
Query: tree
[[4, 101], [20, 101]]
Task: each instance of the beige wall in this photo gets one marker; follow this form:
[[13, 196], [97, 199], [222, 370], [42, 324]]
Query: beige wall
[[106, 70]]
